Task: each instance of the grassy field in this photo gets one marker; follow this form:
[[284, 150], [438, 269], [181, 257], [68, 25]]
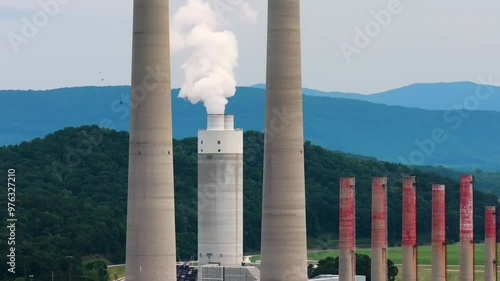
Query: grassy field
[[424, 254], [395, 254], [119, 269], [424, 259], [424, 273], [87, 259]]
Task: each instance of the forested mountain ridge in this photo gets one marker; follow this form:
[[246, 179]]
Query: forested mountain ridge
[[389, 133], [72, 192], [484, 180], [428, 96]]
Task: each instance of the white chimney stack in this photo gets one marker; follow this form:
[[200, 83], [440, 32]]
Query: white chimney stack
[[229, 122], [215, 122], [220, 193]]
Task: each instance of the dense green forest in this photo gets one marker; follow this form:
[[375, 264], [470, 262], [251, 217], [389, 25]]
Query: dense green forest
[[488, 181], [71, 191]]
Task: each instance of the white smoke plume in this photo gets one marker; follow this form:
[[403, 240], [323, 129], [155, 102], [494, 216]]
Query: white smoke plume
[[209, 71]]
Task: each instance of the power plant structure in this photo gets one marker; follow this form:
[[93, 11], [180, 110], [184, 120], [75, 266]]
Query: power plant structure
[[490, 244], [379, 229], [283, 196], [347, 230], [150, 243], [409, 233], [220, 192], [438, 268], [466, 228], [220, 202]]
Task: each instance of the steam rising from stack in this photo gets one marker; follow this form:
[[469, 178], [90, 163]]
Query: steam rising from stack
[[209, 77], [209, 71]]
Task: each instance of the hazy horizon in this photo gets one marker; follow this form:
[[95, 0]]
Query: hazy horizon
[[262, 83]]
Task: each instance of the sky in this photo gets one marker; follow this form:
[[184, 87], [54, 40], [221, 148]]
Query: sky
[[349, 46]]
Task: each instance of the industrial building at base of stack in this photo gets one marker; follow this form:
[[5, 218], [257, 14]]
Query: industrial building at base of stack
[[331, 277], [248, 271]]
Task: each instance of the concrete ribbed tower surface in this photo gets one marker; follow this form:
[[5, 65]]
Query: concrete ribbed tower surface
[[150, 248], [220, 193], [409, 233], [283, 242]]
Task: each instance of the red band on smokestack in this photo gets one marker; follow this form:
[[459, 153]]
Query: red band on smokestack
[[466, 208], [379, 212], [490, 222], [346, 212], [409, 212], [438, 214]]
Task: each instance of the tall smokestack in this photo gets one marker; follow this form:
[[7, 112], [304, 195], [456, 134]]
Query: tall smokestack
[[150, 249], [409, 229], [379, 229], [347, 229], [490, 244], [283, 244], [438, 233], [220, 193], [466, 228]]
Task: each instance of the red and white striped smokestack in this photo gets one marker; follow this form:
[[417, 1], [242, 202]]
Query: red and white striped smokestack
[[490, 244], [466, 228], [347, 230], [438, 233], [379, 229], [409, 229]]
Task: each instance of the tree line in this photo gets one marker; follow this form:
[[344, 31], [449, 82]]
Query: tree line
[[72, 199]]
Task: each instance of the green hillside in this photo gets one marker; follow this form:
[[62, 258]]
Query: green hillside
[[72, 187], [485, 180]]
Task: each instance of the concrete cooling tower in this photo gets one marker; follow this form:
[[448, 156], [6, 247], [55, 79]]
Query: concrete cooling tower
[[220, 192], [150, 250], [284, 238]]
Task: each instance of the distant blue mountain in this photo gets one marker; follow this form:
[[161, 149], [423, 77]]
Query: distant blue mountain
[[318, 93], [437, 96], [390, 133]]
